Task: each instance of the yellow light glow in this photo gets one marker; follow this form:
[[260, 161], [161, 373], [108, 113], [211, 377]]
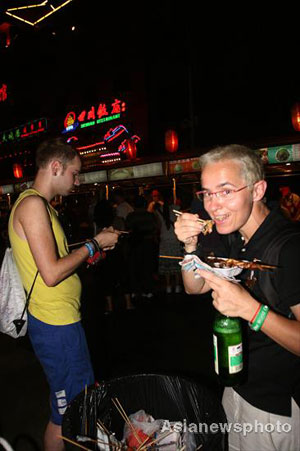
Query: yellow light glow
[[19, 18], [28, 6], [36, 6]]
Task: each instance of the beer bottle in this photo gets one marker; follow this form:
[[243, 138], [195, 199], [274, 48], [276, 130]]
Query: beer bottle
[[228, 349]]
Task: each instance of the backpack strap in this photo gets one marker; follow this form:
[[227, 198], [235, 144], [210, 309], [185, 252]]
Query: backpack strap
[[35, 277]]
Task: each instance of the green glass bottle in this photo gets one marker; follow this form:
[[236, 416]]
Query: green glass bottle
[[228, 349]]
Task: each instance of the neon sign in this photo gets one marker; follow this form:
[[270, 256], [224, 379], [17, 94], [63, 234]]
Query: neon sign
[[24, 131], [3, 93], [114, 133], [50, 9], [88, 118]]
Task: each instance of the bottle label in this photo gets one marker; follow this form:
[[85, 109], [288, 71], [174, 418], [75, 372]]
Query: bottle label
[[216, 354], [235, 358]]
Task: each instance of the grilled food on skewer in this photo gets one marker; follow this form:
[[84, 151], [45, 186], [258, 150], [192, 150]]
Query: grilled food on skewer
[[231, 262], [207, 223]]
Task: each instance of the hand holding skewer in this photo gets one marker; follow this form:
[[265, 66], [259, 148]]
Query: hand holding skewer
[[187, 227]]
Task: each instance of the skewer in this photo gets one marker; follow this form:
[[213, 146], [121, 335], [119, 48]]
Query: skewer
[[99, 423], [82, 242], [73, 443], [146, 446], [126, 418], [170, 256], [255, 264], [179, 213]]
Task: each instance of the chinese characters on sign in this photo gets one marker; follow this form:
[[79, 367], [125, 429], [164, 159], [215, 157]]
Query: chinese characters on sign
[[93, 116], [24, 131]]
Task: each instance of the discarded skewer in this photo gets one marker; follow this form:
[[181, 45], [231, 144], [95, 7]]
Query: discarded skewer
[[99, 423], [126, 418]]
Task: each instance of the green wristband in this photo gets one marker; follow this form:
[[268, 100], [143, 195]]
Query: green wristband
[[260, 318]]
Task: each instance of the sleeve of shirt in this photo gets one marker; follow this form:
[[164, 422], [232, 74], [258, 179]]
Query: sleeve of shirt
[[288, 277]]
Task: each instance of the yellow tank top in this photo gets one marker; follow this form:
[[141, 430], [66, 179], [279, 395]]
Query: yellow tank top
[[59, 305]]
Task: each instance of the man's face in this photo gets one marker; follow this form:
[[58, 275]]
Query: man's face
[[229, 214], [70, 177]]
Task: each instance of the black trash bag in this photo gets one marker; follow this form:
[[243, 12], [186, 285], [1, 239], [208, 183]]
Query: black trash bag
[[163, 397]]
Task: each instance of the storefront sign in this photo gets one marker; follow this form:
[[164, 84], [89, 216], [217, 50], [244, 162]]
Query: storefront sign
[[93, 177], [186, 165], [280, 154], [23, 131], [135, 172], [94, 115]]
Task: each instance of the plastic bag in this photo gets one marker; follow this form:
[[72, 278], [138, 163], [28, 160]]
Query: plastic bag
[[148, 431], [192, 262]]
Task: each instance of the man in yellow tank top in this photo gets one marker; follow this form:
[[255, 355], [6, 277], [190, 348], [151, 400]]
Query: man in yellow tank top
[[39, 244]]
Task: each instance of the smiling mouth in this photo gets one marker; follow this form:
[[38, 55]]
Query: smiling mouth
[[220, 218]]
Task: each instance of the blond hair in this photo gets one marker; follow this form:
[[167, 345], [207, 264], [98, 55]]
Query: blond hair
[[251, 165]]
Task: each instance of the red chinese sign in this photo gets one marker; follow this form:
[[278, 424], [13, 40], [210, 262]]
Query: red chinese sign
[[94, 115]]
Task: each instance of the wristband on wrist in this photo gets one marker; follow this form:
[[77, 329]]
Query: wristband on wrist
[[256, 312], [259, 318], [90, 248], [96, 244]]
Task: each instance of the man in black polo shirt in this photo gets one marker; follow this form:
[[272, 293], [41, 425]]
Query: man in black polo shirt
[[267, 402]]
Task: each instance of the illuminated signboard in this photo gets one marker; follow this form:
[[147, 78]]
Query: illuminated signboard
[[280, 154], [186, 165], [135, 172], [24, 131], [92, 116]]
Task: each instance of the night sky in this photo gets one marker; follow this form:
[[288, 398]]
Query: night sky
[[233, 74]]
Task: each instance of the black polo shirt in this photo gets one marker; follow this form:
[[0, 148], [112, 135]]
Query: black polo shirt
[[272, 373]]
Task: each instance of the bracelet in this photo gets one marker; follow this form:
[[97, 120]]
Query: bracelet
[[260, 318], [96, 244], [256, 312], [90, 248]]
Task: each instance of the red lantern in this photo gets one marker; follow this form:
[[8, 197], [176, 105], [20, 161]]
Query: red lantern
[[171, 141], [5, 28], [130, 149], [18, 171], [296, 116]]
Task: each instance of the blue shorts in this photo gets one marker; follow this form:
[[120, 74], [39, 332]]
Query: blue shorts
[[64, 356]]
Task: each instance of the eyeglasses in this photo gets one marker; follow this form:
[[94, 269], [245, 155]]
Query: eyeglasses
[[225, 194]]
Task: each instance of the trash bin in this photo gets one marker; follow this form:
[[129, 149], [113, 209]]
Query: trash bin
[[164, 397]]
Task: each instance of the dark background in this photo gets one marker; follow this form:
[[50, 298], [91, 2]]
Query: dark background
[[216, 75]]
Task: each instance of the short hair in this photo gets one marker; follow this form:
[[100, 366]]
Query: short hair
[[54, 149], [251, 165]]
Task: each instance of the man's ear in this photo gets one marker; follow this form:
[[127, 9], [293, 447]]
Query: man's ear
[[259, 189], [55, 166]]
